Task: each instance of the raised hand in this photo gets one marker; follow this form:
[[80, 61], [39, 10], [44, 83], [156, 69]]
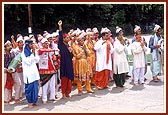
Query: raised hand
[[60, 22]]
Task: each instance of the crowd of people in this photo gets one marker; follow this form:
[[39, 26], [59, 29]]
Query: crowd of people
[[80, 57]]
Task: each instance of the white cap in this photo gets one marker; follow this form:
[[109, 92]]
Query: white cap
[[103, 30], [54, 34], [44, 40], [136, 28], [78, 32], [39, 37], [118, 29], [7, 42], [20, 38], [156, 28], [31, 36], [88, 30], [48, 36], [26, 38], [95, 30]]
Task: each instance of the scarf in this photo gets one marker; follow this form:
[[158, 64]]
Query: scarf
[[107, 52], [27, 50]]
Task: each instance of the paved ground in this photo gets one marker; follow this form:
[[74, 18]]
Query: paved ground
[[150, 98]]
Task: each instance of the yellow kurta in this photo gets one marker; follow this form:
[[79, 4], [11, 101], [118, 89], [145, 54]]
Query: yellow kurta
[[91, 56], [80, 63]]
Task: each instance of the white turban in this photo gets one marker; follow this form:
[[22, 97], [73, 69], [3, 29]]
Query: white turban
[[118, 29], [20, 38], [44, 40], [7, 42], [156, 28], [136, 28]]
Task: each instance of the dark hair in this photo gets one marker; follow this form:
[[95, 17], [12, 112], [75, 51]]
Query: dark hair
[[104, 33]]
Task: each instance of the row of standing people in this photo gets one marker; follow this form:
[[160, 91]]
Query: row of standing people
[[82, 58]]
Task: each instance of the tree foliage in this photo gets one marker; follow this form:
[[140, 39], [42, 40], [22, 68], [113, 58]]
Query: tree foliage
[[46, 16]]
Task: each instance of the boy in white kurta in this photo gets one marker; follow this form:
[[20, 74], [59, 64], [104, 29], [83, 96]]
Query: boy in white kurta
[[138, 49], [104, 49], [30, 73]]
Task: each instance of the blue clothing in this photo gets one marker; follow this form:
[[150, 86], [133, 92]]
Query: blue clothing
[[155, 55], [27, 50], [66, 65], [31, 92], [8, 58]]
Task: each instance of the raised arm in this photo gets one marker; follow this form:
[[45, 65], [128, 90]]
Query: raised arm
[[60, 25]]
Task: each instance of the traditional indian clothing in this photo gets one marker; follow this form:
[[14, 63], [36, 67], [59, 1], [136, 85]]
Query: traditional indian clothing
[[47, 73], [103, 62], [66, 66], [155, 55], [18, 75], [8, 80], [139, 61], [120, 63], [30, 73]]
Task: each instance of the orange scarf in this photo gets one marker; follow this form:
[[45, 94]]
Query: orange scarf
[[107, 52]]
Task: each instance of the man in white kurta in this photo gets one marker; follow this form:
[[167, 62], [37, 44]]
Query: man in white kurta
[[30, 73], [138, 49], [120, 62], [104, 49]]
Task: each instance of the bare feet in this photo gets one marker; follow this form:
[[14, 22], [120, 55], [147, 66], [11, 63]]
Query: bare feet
[[6, 103], [30, 105], [90, 91], [44, 102], [36, 104], [18, 101]]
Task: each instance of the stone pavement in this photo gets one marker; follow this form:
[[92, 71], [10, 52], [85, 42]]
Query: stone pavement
[[147, 98]]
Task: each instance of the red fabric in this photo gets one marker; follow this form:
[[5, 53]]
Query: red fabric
[[9, 81], [65, 35], [101, 78], [66, 85], [40, 51], [50, 69], [107, 52]]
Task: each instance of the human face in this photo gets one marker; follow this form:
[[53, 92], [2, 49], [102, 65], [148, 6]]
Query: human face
[[31, 45], [138, 32], [159, 32], [8, 47], [50, 39], [20, 44], [105, 37], [45, 44], [138, 38], [66, 39]]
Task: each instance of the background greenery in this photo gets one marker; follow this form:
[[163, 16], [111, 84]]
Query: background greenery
[[46, 16]]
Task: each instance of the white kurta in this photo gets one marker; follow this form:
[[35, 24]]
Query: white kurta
[[30, 71], [138, 53], [101, 56], [120, 62]]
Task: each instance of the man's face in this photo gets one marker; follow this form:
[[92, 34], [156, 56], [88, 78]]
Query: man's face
[[50, 39], [8, 47], [66, 39], [159, 32], [138, 32], [31, 45], [45, 44], [20, 44], [105, 37]]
